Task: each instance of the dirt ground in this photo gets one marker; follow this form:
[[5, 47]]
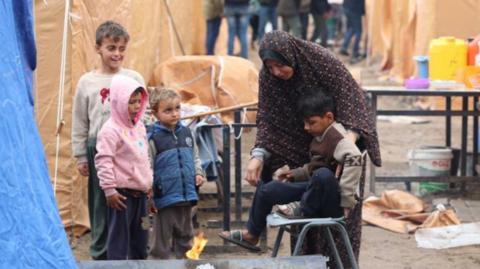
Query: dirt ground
[[380, 248]]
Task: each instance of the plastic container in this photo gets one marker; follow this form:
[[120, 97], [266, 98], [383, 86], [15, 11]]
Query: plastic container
[[447, 55], [477, 57], [472, 52], [417, 83], [422, 66], [430, 161]]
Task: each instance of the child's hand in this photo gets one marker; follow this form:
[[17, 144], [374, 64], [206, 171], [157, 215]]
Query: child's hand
[[116, 201], [199, 180], [149, 194], [83, 169], [346, 212], [151, 207], [285, 175]]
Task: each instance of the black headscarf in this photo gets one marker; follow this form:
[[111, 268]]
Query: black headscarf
[[280, 128]]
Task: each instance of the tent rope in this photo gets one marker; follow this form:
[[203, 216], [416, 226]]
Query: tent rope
[[61, 91]]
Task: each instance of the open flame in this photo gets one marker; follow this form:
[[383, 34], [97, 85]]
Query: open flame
[[199, 243]]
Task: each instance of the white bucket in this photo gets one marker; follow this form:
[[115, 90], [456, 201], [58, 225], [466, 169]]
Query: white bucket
[[429, 161]]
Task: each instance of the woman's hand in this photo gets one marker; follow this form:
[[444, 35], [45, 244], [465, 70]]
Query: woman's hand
[[254, 169]]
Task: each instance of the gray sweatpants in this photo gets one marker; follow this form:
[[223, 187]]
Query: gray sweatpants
[[172, 232]]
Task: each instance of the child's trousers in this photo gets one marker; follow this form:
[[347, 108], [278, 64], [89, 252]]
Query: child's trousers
[[97, 207], [172, 227], [127, 239], [319, 197]]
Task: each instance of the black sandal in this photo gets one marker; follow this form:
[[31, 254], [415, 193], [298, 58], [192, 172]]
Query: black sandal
[[236, 238]]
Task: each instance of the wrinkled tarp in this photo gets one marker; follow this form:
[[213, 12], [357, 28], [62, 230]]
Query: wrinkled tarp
[[449, 236], [31, 232], [402, 212], [214, 81]]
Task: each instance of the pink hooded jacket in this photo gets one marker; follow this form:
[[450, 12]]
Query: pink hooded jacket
[[122, 160]]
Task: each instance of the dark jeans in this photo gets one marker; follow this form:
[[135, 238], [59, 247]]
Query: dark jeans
[[127, 239], [266, 14], [320, 29], [97, 207], [354, 29], [213, 28], [254, 24], [304, 23], [319, 197]]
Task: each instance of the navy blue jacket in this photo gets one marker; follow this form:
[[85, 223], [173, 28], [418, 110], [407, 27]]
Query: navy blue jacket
[[174, 166]]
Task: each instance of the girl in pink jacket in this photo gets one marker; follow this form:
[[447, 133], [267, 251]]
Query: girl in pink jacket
[[123, 167]]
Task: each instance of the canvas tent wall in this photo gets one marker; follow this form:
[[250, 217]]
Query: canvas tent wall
[[31, 233], [153, 40], [399, 30]]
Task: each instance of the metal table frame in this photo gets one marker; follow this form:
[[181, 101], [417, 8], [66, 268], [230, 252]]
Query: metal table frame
[[447, 112]]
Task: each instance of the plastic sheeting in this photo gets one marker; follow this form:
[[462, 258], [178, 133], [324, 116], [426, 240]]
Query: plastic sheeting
[[399, 30], [31, 233], [214, 81]]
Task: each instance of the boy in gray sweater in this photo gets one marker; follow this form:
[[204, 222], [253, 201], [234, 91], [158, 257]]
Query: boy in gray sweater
[[91, 108]]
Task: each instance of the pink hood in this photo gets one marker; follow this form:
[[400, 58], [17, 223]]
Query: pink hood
[[121, 89], [122, 160]]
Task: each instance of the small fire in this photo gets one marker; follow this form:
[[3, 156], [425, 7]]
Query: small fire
[[199, 243]]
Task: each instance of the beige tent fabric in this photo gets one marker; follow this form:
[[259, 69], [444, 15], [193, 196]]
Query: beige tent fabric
[[215, 81], [399, 30], [152, 41]]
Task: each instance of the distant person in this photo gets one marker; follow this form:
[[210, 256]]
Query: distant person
[[237, 14], [123, 167], [91, 108], [354, 10], [267, 13], [213, 12], [304, 13], [254, 21], [288, 10], [177, 172], [320, 10]]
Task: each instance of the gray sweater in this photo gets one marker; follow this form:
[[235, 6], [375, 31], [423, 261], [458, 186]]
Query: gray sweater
[[89, 113]]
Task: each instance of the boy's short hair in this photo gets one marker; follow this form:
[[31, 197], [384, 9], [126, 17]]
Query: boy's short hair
[[160, 94], [315, 103], [110, 29]]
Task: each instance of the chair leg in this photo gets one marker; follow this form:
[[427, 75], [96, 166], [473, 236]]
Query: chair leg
[[278, 240], [333, 247], [301, 238], [346, 241]]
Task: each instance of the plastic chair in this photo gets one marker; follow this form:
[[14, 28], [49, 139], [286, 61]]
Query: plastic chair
[[285, 224]]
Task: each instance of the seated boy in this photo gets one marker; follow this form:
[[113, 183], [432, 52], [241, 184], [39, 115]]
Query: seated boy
[[320, 193]]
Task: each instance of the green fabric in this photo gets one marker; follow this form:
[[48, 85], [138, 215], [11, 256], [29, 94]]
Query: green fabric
[[97, 207]]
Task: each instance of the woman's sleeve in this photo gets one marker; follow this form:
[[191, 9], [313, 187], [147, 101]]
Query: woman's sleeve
[[261, 139]]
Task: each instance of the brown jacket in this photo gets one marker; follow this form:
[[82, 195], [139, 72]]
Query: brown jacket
[[331, 149], [212, 9]]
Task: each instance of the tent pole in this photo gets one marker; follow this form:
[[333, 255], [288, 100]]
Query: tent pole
[[174, 27]]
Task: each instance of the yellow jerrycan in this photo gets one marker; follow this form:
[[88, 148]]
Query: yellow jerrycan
[[447, 57]]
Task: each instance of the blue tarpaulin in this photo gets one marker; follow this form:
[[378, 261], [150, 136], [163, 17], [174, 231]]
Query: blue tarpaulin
[[31, 232]]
